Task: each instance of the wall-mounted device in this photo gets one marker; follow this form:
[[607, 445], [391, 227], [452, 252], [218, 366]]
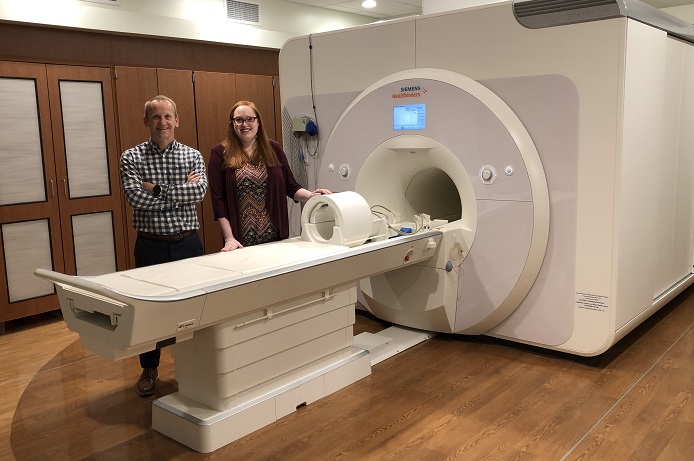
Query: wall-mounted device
[[303, 124]]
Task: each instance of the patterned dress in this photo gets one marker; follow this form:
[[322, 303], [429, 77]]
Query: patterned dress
[[256, 225]]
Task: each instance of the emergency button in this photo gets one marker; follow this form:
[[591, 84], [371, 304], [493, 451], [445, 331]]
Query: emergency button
[[487, 174]]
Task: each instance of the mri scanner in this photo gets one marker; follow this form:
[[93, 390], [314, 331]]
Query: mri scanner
[[555, 140], [518, 170]]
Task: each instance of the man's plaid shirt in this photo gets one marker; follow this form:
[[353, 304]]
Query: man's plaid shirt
[[173, 211]]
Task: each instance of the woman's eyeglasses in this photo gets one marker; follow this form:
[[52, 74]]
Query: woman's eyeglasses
[[241, 120]]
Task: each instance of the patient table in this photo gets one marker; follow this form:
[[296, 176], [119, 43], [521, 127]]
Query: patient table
[[257, 332]]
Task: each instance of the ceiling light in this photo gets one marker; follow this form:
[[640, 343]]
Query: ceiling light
[[368, 3]]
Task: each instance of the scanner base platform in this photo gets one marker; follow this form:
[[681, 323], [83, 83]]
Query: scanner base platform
[[204, 429]]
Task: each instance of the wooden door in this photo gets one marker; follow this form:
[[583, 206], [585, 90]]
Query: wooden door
[[30, 235], [215, 94], [203, 108], [134, 87], [279, 130], [178, 85], [84, 140], [258, 89]]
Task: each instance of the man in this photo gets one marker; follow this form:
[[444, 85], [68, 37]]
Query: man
[[162, 180]]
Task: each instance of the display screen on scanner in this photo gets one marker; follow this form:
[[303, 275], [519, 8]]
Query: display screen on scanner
[[409, 117]]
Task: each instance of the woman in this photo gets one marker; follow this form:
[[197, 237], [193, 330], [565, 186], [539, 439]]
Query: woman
[[249, 177]]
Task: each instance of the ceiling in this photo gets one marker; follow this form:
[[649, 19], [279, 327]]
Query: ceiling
[[386, 9]]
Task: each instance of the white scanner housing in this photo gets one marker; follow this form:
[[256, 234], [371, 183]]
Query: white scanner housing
[[551, 146]]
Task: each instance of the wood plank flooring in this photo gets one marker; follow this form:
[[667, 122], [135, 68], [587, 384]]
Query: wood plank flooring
[[449, 398]]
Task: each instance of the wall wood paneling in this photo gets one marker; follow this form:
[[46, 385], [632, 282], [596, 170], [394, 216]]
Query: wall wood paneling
[[178, 85], [278, 113], [203, 101], [89, 90], [135, 86], [259, 89], [67, 46], [215, 93]]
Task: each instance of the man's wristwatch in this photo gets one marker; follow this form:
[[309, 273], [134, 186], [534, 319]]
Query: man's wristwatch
[[156, 190]]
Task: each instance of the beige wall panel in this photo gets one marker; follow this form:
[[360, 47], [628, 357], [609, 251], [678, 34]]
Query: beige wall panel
[[85, 139], [27, 246], [20, 143], [94, 245]]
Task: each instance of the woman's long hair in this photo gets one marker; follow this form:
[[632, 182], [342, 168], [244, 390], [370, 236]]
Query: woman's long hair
[[233, 150]]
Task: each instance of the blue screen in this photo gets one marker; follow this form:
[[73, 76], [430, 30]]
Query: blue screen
[[409, 117]]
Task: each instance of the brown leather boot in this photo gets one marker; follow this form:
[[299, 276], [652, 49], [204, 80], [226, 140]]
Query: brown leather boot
[[147, 383]]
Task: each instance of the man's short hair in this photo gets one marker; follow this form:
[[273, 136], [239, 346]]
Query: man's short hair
[[159, 98]]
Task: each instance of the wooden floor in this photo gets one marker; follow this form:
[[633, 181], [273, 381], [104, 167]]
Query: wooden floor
[[450, 398]]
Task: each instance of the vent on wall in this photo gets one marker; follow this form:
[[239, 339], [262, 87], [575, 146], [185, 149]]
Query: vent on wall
[[243, 11]]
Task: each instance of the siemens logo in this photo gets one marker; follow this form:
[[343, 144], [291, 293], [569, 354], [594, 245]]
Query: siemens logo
[[185, 325], [409, 88]]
